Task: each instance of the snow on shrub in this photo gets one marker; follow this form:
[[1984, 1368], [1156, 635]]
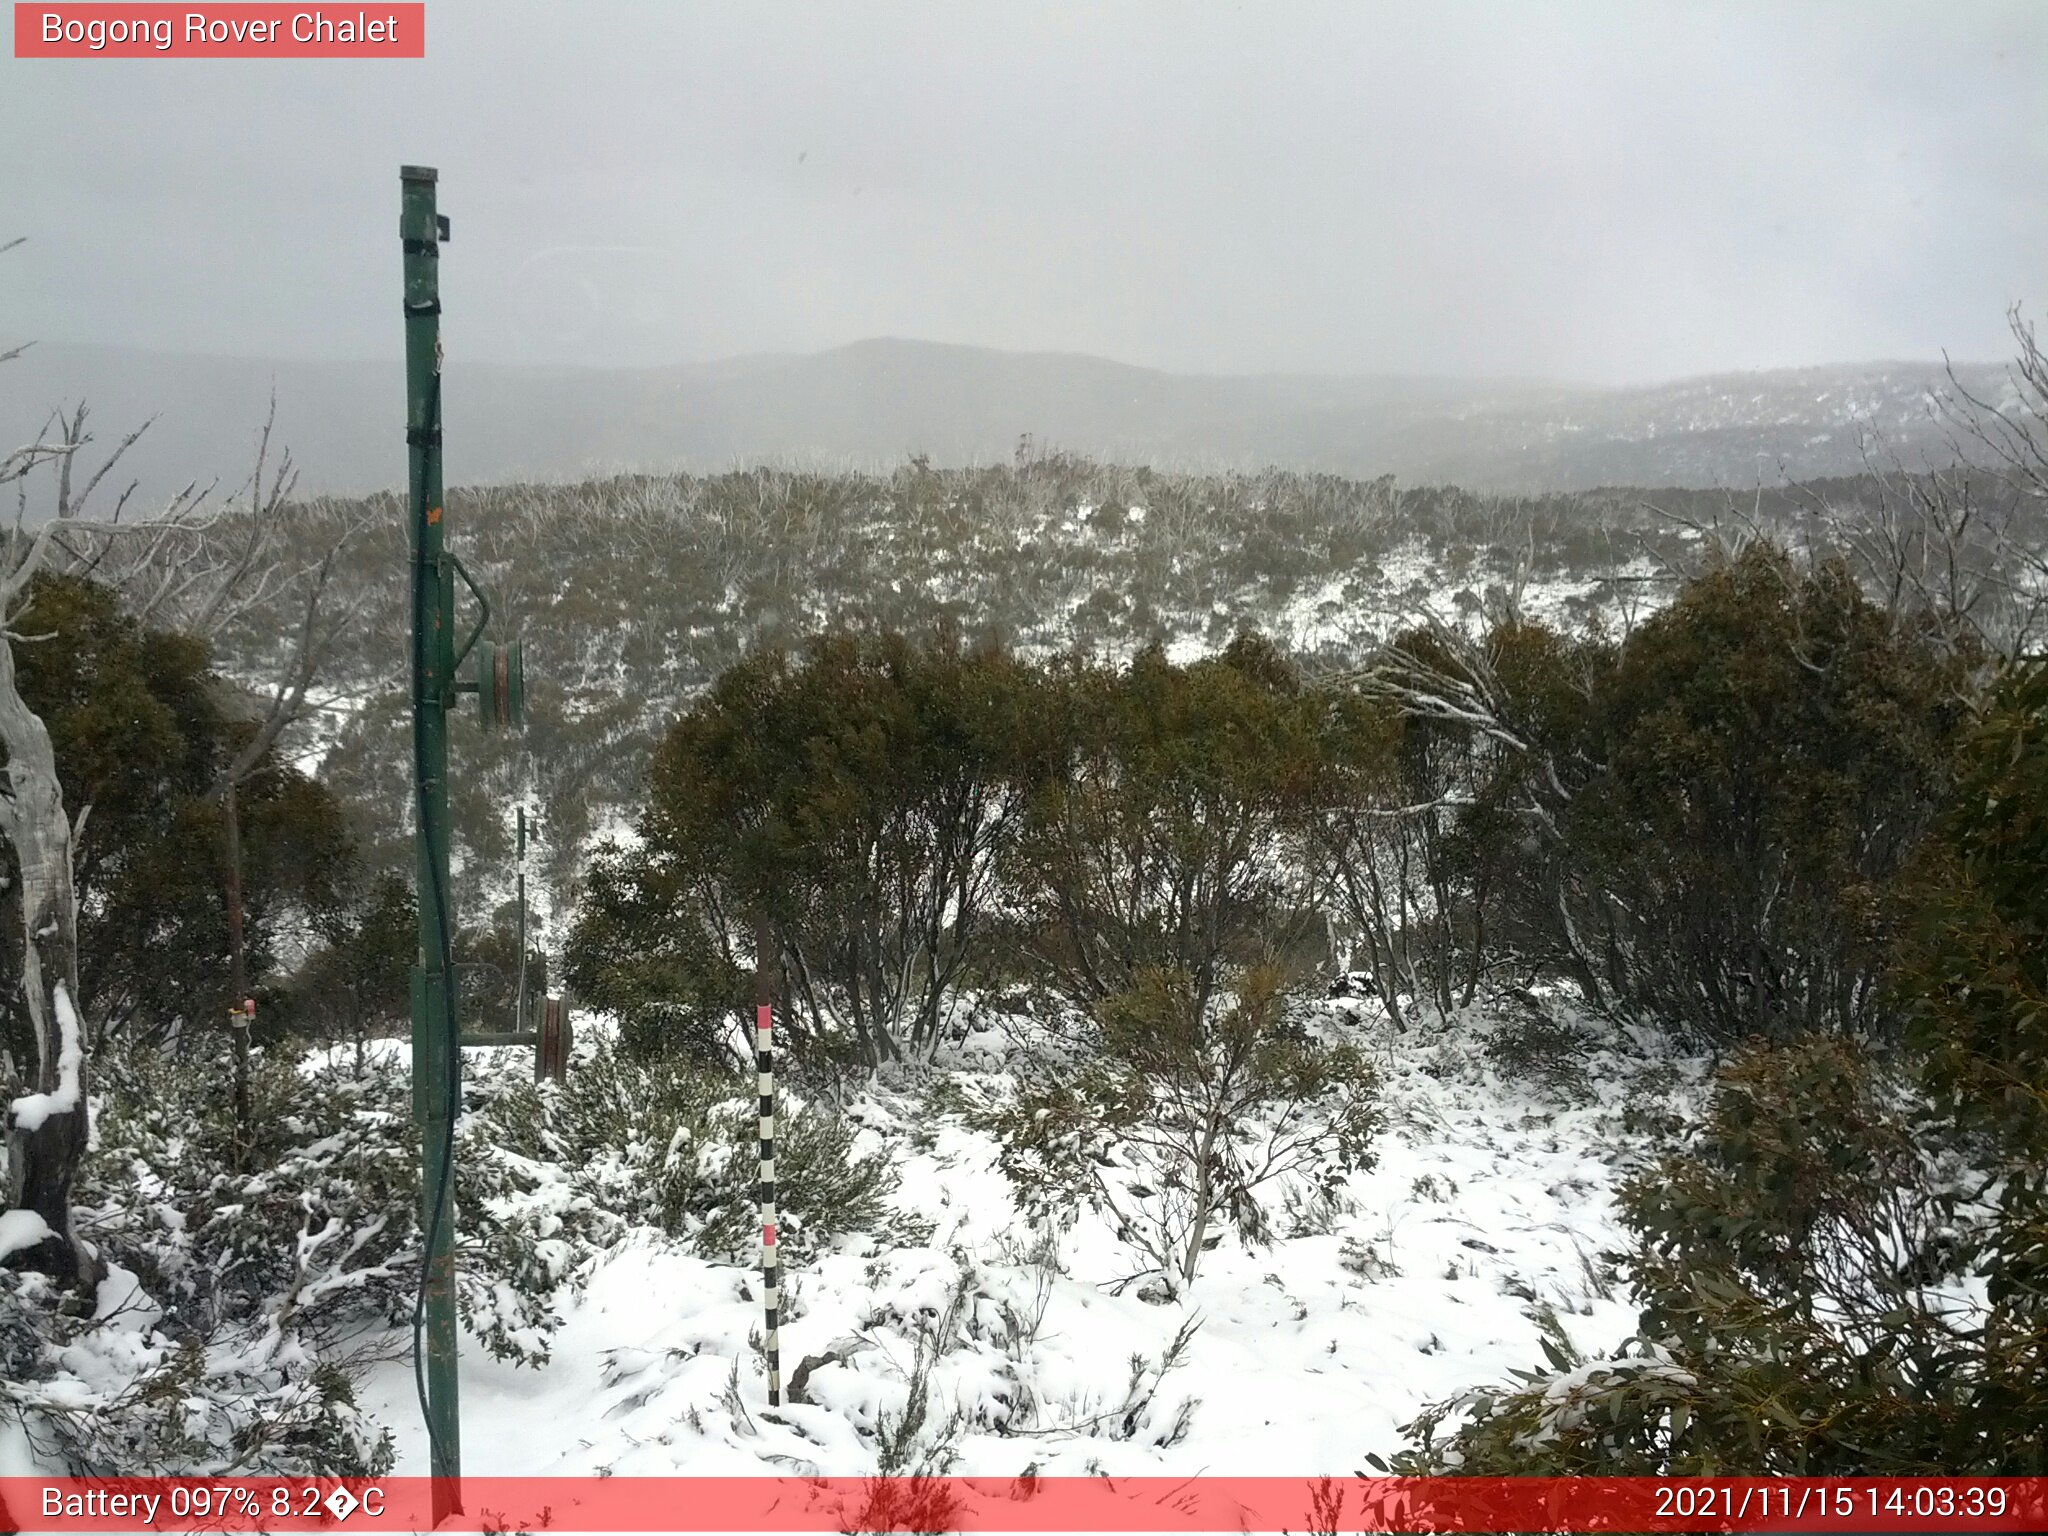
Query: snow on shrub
[[1192, 1116], [246, 1281], [674, 1145]]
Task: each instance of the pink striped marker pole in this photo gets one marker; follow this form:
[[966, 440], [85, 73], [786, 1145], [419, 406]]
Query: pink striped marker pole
[[764, 1066]]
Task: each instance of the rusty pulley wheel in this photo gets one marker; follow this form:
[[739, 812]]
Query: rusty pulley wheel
[[500, 685]]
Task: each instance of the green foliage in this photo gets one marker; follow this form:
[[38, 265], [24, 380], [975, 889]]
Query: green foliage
[[649, 947], [669, 580], [256, 1285], [143, 730], [1797, 1267], [109, 1401], [487, 961], [883, 801], [1534, 1045], [1443, 763], [858, 797], [1974, 974], [325, 1232], [1172, 838], [1195, 1110], [1976, 965], [235, 1354], [667, 1143], [1770, 750], [359, 986], [1698, 825], [1841, 1270]]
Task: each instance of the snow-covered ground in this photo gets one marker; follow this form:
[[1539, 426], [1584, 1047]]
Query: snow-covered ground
[[1490, 1202]]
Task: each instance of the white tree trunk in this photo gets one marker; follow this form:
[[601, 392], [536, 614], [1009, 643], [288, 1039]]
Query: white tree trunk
[[46, 1129]]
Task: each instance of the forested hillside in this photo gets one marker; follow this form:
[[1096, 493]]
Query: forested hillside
[[671, 854], [631, 595], [877, 403], [1591, 927]]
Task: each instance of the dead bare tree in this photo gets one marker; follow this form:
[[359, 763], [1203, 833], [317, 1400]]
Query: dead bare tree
[[47, 1127], [251, 563], [184, 561], [2015, 437], [1958, 551], [1459, 744]]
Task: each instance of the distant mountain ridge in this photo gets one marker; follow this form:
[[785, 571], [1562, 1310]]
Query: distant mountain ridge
[[879, 402]]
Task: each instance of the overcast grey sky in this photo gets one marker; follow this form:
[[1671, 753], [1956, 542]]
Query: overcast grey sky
[[1603, 192]]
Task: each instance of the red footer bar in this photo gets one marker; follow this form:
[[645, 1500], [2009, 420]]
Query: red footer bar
[[1289, 1504]]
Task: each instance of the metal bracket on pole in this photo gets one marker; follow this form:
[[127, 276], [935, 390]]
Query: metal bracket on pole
[[483, 617]]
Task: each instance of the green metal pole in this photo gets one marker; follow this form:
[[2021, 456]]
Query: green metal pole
[[436, 1061]]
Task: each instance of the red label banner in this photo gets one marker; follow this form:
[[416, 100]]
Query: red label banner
[[101, 31], [1193, 1504]]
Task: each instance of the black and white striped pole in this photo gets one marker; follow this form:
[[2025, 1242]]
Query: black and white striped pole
[[764, 1065]]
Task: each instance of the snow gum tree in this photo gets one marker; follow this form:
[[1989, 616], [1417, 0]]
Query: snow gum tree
[[1771, 749], [1843, 1269], [124, 912], [1173, 835], [859, 796], [46, 1127], [141, 727], [1447, 759], [1974, 977], [1695, 825], [163, 562]]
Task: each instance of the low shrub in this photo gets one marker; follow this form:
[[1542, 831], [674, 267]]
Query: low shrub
[[671, 1144]]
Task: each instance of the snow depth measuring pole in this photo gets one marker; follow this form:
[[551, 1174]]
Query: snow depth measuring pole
[[764, 1066], [499, 686]]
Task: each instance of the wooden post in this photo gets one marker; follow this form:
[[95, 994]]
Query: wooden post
[[551, 1054], [519, 987], [238, 974], [764, 1063]]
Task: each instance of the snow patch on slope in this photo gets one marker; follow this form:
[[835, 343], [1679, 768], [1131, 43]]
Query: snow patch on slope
[[1486, 1211]]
